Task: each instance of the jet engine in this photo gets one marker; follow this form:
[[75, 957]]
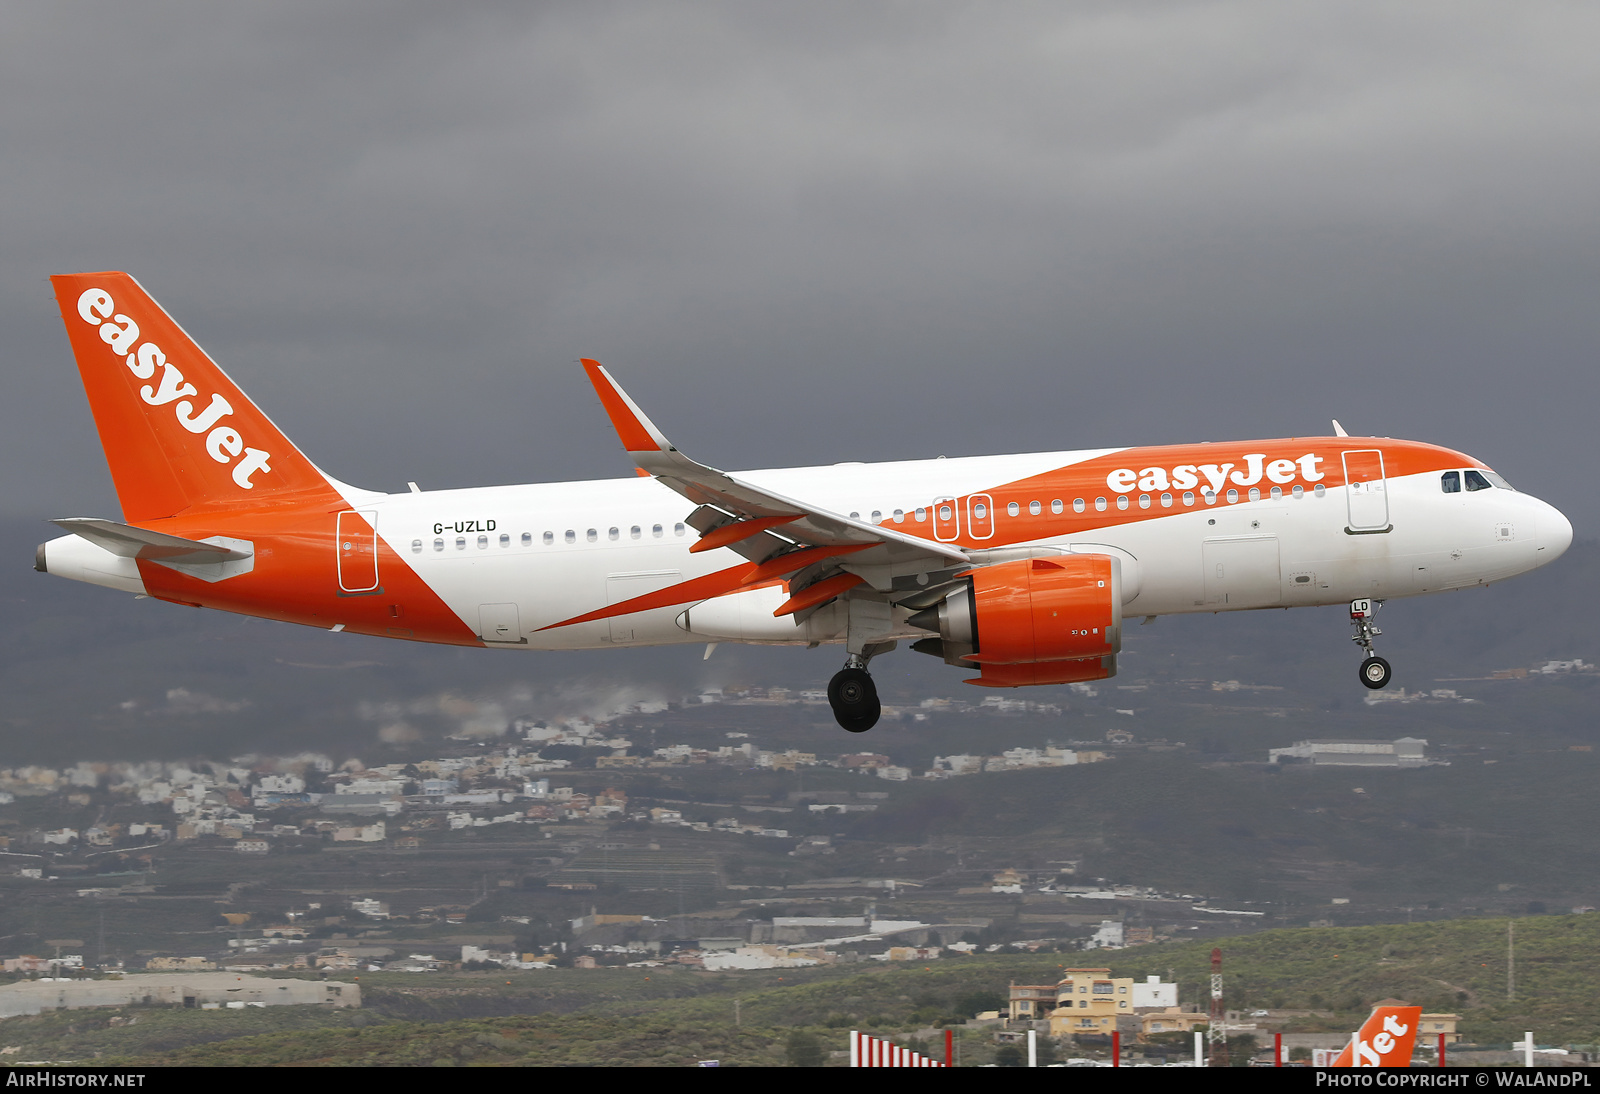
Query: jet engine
[[1055, 620]]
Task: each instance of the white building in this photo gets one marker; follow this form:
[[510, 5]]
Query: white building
[[1108, 937], [1405, 752], [1153, 993]]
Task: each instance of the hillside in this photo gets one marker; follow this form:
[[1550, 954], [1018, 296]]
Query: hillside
[[641, 1017]]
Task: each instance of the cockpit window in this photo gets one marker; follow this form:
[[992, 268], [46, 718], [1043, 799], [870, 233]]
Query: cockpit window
[[1499, 482], [1450, 482], [1476, 481]]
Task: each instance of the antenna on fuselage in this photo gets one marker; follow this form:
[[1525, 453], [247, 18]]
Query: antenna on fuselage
[[1338, 430]]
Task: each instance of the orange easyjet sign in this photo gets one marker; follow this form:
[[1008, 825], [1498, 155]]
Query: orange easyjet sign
[[1385, 1040]]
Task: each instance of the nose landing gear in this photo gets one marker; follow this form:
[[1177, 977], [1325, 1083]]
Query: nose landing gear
[[854, 697], [1374, 671]]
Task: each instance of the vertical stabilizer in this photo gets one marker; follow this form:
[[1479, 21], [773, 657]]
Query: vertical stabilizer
[[177, 432], [1385, 1040]]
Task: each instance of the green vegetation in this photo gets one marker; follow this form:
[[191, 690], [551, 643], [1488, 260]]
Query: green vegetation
[[1457, 966], [669, 1017]]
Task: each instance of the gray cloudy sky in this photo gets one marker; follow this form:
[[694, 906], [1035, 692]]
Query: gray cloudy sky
[[807, 233]]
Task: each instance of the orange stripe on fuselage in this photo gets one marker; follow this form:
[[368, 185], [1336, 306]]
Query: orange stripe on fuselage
[[295, 577], [741, 578], [1089, 480]]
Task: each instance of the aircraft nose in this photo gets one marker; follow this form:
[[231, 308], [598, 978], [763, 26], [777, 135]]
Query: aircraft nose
[[1555, 533]]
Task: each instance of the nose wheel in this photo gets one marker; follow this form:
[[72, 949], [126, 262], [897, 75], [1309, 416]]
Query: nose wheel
[[854, 698], [1374, 671]]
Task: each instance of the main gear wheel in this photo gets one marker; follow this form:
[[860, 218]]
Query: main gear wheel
[[854, 698]]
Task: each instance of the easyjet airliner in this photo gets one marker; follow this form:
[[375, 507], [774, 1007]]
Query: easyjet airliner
[[1020, 568]]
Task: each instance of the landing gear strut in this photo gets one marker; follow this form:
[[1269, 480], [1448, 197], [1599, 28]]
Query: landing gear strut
[[1374, 670], [854, 697]]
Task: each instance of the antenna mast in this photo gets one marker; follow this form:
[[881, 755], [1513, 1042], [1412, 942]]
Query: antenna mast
[[1217, 1034]]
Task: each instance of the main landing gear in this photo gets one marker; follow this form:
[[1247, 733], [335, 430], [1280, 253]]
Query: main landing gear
[[1374, 670], [854, 697]]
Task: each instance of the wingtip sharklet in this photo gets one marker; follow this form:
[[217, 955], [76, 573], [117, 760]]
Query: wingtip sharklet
[[634, 428]]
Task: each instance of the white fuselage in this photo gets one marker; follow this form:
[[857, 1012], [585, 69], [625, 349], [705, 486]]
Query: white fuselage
[[558, 550]]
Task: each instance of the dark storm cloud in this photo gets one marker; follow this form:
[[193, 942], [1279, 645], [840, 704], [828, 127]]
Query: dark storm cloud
[[816, 233]]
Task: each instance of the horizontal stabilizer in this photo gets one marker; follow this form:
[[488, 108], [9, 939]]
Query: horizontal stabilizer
[[131, 542]]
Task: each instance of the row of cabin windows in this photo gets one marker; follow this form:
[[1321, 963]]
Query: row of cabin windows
[[657, 531], [1451, 483], [980, 511]]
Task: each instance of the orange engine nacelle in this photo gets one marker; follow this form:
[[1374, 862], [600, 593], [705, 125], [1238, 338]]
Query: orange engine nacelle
[[1055, 620]]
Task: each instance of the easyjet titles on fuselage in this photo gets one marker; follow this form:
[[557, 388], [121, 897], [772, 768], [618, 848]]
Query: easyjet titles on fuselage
[[1187, 476]]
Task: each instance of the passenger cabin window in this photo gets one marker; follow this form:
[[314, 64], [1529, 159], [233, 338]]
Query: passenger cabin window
[[572, 537], [1078, 506], [1476, 481], [655, 530], [1012, 509], [613, 534], [416, 546], [527, 538], [1450, 482], [634, 532], [591, 535], [549, 538], [1033, 508], [677, 529], [505, 540], [1056, 507]]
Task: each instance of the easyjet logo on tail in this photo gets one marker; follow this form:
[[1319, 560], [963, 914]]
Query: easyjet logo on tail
[[146, 361], [1385, 1040]]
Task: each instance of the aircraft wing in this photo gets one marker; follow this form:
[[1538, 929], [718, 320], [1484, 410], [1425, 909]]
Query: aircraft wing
[[754, 521]]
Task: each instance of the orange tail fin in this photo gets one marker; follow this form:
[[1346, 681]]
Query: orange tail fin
[[177, 432], [1385, 1040]]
